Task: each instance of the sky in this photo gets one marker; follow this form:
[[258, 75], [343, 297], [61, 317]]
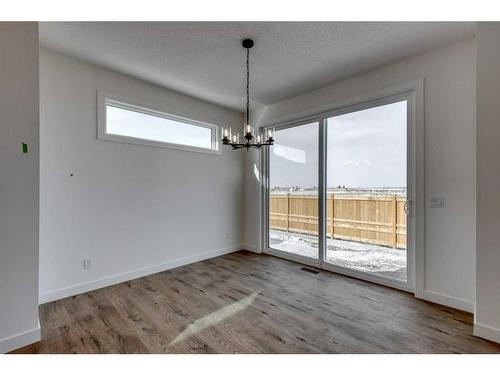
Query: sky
[[140, 125], [364, 149]]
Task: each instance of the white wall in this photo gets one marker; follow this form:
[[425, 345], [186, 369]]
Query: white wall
[[449, 97], [132, 209], [487, 317], [18, 185]]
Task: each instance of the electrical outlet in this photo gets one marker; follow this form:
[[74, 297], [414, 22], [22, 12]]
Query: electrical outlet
[[87, 264], [228, 236]]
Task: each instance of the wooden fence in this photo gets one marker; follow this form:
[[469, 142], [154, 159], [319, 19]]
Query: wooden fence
[[379, 220]]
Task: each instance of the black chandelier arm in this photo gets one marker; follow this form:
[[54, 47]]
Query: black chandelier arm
[[236, 146], [248, 144]]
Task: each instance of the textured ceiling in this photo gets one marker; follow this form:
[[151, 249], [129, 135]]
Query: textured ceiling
[[206, 60]]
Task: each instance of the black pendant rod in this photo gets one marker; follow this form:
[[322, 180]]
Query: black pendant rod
[[248, 85], [248, 43]]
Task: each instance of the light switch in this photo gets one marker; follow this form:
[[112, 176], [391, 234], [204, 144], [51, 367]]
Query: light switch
[[437, 202]]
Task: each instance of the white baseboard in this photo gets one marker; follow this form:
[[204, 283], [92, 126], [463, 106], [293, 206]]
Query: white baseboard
[[252, 248], [10, 343], [486, 332], [72, 290], [444, 299]]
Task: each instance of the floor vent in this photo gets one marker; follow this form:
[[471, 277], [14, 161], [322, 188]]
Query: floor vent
[[309, 270]]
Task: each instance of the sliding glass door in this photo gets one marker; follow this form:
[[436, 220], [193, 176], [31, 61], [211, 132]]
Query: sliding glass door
[[293, 191], [366, 195], [337, 195]]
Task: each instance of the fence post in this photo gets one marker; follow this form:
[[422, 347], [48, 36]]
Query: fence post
[[394, 221], [287, 212], [332, 231]]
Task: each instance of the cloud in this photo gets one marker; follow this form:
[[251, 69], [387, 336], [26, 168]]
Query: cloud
[[357, 163]]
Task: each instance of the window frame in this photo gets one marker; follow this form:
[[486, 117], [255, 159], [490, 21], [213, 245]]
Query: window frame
[[105, 99]]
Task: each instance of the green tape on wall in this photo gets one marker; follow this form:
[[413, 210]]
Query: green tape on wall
[[24, 148]]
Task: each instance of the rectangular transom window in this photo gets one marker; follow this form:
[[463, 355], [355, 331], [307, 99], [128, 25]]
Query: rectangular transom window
[[123, 122]]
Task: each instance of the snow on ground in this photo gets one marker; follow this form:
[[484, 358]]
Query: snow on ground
[[365, 257]]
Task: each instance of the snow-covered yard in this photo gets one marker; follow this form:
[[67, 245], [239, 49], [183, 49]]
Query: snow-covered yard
[[365, 257]]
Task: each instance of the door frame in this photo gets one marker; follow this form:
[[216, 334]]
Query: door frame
[[412, 92]]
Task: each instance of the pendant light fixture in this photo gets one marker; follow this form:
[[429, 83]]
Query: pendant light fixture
[[233, 140]]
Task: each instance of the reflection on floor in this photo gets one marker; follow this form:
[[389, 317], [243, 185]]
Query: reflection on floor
[[379, 260]]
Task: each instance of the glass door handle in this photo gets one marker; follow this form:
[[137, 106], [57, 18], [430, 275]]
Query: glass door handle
[[407, 207]]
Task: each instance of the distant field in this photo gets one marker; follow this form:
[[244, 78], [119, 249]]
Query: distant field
[[375, 191]]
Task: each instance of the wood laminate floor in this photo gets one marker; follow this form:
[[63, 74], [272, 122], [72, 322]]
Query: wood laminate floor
[[250, 303]]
